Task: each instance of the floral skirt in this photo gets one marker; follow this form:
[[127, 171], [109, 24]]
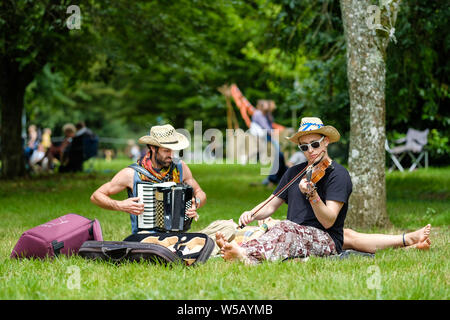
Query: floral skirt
[[288, 239]]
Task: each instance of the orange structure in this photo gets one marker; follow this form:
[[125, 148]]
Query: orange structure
[[246, 108]]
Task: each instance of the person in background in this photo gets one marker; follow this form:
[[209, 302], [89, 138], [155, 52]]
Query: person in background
[[297, 158], [133, 151], [38, 161], [47, 139], [56, 152], [109, 154], [32, 142], [262, 120], [84, 145]]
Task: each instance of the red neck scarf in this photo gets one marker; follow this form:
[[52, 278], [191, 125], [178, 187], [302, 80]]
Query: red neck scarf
[[165, 174]]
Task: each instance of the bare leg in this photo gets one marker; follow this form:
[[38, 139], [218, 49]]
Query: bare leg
[[371, 242]]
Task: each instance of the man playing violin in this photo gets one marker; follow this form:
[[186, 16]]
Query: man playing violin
[[316, 211]]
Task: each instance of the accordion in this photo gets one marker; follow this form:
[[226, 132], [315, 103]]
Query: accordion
[[165, 205]]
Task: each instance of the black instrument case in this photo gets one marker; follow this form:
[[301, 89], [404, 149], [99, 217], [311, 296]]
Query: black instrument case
[[157, 247]]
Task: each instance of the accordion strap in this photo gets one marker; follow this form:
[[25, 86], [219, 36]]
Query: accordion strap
[[145, 172], [139, 169]]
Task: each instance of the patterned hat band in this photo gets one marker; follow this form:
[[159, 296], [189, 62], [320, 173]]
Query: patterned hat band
[[307, 126], [310, 125]]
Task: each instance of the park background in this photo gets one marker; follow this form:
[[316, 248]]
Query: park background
[[135, 64]]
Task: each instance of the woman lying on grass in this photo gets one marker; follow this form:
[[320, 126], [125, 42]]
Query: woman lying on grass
[[229, 242]]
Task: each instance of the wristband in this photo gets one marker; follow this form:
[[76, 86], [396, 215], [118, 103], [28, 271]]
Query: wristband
[[310, 194]]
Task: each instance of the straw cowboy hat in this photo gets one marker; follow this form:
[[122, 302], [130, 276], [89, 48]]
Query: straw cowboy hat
[[315, 125], [165, 136]]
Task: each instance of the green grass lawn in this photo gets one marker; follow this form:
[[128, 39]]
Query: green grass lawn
[[414, 199]]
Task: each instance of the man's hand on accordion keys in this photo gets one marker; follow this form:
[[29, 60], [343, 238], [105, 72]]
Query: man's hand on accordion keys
[[132, 206]]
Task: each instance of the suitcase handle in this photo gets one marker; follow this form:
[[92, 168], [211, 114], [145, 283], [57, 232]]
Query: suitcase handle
[[116, 254]]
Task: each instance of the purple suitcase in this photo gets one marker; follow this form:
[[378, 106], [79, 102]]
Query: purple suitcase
[[63, 235]]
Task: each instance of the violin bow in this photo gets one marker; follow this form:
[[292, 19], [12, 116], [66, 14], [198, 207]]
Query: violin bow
[[308, 168]]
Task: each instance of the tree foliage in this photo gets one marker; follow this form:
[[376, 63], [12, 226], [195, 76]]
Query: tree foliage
[[133, 64], [417, 74], [416, 66]]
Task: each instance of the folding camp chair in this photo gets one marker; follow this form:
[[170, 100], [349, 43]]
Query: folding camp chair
[[415, 141]]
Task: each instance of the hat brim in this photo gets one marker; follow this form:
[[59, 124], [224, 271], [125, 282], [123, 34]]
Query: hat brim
[[328, 131], [182, 142]]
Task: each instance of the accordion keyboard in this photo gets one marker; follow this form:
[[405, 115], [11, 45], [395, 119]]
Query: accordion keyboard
[[146, 194]]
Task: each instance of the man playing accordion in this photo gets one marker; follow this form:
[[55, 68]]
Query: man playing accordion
[[160, 167]]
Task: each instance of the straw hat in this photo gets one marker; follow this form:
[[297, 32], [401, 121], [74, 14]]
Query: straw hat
[[165, 136], [315, 125]]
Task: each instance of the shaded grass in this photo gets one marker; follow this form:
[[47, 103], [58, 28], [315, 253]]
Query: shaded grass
[[420, 197], [414, 199]]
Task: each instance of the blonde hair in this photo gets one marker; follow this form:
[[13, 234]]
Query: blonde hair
[[69, 127]]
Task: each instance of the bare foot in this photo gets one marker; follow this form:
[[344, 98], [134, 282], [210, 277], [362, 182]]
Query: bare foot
[[421, 245], [418, 236], [220, 239], [424, 245], [232, 251]]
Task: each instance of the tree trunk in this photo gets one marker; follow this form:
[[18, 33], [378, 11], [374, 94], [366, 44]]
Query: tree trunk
[[366, 70], [12, 93]]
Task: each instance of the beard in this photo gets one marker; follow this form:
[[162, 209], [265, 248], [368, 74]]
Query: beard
[[163, 162]]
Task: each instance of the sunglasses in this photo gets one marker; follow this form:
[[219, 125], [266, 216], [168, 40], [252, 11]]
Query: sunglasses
[[314, 144]]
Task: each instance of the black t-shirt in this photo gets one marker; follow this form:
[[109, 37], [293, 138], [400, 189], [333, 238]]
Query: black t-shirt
[[335, 185]]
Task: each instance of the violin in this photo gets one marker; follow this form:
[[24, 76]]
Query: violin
[[316, 172]]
